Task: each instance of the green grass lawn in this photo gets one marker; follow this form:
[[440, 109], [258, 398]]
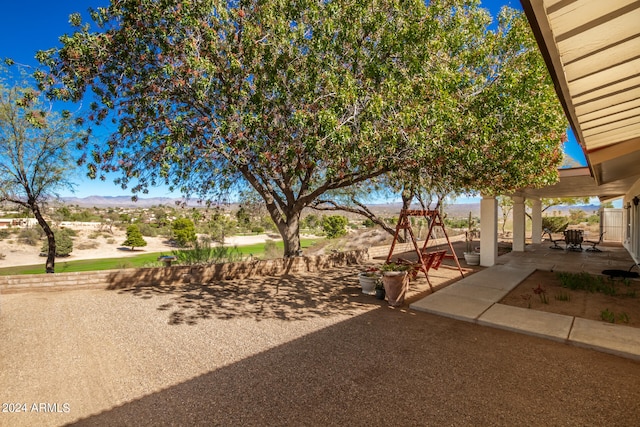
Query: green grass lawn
[[137, 261]]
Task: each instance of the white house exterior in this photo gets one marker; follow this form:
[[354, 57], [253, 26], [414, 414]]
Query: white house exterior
[[592, 51]]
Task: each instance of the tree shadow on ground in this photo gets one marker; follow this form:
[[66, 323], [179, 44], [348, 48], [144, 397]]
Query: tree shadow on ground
[[427, 370], [286, 297]]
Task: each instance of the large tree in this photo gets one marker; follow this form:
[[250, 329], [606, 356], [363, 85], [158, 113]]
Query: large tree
[[295, 98], [35, 154], [498, 125]]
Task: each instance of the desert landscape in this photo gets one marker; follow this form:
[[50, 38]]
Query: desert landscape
[[100, 245]]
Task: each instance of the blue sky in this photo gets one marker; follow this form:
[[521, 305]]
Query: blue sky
[[27, 26]]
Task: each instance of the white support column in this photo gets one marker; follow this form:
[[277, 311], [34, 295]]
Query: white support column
[[536, 222], [488, 231], [518, 224]]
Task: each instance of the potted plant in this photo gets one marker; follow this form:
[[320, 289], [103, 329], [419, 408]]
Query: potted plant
[[368, 280], [471, 256], [395, 278], [380, 294]]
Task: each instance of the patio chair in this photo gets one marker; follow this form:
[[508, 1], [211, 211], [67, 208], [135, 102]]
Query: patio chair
[[593, 243], [552, 240], [573, 240]]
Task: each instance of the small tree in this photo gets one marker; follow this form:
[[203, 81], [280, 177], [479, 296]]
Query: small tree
[[334, 226], [184, 232], [134, 237], [219, 227], [35, 158]]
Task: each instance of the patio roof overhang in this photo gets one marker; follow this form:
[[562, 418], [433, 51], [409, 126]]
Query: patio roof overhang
[[592, 51], [578, 182]]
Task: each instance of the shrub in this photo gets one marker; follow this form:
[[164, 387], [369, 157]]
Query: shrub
[[134, 237], [87, 245], [271, 250], [4, 234], [593, 219], [555, 224], [204, 253], [148, 230], [29, 236], [64, 243], [368, 223], [184, 232], [334, 226]]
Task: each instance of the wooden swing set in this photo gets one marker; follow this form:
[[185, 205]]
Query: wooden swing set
[[426, 260]]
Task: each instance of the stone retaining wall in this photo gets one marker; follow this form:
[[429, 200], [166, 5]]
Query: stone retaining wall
[[117, 279]]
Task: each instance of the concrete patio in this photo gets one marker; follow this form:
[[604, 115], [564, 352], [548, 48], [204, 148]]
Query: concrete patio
[[476, 299]]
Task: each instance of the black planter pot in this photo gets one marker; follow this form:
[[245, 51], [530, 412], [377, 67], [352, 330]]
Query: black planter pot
[[380, 293]]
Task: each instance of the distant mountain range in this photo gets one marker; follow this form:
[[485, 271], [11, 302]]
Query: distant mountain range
[[121, 201], [386, 209]]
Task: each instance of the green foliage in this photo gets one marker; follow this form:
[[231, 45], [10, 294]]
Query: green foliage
[[35, 150], [577, 216], [4, 234], [243, 218], [311, 222], [368, 223], [220, 227], [184, 232], [149, 230], [459, 223], [203, 253], [607, 316], [593, 219], [299, 98], [134, 238], [334, 226], [555, 224], [64, 243], [587, 282]]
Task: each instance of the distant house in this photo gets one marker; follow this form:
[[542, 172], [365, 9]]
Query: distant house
[[11, 222]]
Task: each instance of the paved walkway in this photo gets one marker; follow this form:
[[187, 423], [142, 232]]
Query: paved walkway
[[475, 299]]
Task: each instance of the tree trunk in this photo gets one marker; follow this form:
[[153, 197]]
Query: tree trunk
[[51, 239], [407, 196], [290, 231]]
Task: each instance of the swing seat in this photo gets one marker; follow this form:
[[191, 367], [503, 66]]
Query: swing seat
[[433, 259], [426, 260]]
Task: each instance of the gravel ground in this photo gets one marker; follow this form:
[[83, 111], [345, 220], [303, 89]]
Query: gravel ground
[[307, 350]]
